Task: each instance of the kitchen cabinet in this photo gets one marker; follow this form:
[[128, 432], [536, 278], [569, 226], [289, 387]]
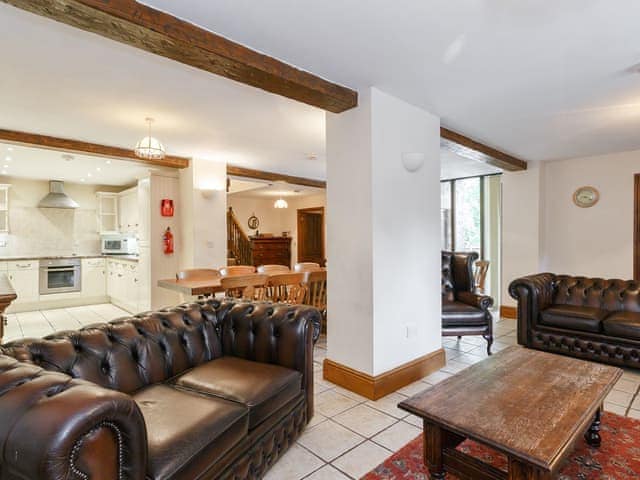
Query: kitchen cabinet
[[4, 207], [24, 278], [107, 212], [94, 277], [129, 215], [123, 284]]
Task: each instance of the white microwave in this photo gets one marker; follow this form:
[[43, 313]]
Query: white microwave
[[117, 244]]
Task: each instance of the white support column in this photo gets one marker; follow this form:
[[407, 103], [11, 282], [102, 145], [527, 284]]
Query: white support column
[[383, 235], [203, 222]]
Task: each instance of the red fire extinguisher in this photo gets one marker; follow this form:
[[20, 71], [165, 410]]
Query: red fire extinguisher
[[167, 238]]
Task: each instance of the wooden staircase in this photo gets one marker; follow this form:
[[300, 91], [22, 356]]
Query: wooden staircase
[[239, 250]]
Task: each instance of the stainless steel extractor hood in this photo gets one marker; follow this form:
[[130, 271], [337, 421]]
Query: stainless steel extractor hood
[[56, 198]]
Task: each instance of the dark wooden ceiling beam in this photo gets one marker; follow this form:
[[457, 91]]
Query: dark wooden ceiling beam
[[141, 26], [78, 146], [274, 177], [468, 148]]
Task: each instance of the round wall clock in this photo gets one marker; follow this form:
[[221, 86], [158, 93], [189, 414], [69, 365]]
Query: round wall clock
[[585, 197], [253, 222]]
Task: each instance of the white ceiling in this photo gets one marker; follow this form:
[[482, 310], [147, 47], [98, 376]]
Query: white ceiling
[[61, 81], [263, 189], [542, 80], [40, 164]]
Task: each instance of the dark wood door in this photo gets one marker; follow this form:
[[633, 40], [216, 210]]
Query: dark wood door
[[311, 235]]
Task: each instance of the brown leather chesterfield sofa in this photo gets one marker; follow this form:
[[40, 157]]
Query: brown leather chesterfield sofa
[[215, 390], [464, 312], [588, 318]]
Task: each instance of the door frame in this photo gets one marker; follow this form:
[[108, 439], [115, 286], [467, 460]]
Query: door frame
[[636, 227], [298, 217]]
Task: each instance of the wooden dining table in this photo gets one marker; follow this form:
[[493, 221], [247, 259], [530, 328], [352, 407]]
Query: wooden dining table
[[209, 286]]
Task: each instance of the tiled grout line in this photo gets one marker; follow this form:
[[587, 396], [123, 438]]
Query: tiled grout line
[[635, 395]]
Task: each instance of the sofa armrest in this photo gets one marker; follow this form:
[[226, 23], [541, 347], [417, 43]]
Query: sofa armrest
[[483, 302], [273, 333], [53, 427], [534, 293]]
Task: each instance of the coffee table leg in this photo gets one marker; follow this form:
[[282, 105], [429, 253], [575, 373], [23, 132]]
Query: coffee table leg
[[593, 434], [433, 446]]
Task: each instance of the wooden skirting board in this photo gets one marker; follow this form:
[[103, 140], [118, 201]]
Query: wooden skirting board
[[508, 312], [376, 387]]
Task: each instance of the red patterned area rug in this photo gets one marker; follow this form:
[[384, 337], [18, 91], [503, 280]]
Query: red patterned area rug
[[617, 459]]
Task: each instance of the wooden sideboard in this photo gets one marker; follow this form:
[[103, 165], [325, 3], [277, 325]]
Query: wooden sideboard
[[271, 251]]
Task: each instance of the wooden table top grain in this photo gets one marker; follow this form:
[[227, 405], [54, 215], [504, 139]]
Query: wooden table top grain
[[192, 287], [526, 403]]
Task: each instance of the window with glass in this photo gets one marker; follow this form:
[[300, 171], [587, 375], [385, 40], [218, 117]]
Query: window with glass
[[461, 214]]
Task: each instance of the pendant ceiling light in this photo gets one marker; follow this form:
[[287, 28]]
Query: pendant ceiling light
[[281, 203], [150, 147]]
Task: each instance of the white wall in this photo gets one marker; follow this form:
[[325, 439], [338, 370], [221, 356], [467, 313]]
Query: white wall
[[520, 225], [596, 241], [276, 220], [384, 249], [42, 231]]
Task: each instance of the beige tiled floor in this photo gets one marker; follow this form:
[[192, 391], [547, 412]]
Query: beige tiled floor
[[44, 322], [349, 434]]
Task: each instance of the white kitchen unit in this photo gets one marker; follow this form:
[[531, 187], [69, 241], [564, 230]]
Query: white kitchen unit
[[24, 278], [107, 212], [129, 213], [125, 284], [94, 278], [4, 207]]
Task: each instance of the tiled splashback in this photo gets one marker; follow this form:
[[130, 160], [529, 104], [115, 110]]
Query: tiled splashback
[[51, 231]]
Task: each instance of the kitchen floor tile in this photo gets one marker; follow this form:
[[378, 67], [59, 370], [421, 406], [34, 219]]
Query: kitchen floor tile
[[397, 436], [330, 403], [326, 473], [389, 405], [365, 420]]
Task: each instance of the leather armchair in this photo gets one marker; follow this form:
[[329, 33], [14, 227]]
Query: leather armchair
[[589, 318], [205, 390], [464, 312]]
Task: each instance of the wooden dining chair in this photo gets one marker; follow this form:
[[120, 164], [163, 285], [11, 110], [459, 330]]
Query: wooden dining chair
[[273, 269], [251, 287], [481, 268], [198, 274], [233, 270], [316, 296], [287, 288], [306, 267]]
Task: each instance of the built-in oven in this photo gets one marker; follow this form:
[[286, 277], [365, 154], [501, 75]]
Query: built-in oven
[[60, 275]]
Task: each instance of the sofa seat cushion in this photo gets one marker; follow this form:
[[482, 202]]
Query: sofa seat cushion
[[623, 325], [573, 317], [184, 427], [262, 387], [458, 314]]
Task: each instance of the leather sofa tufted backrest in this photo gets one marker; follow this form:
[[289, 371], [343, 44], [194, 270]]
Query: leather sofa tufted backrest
[[128, 354], [611, 295], [457, 273]]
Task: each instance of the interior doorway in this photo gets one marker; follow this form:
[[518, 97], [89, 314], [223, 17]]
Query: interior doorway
[[311, 235], [636, 227]]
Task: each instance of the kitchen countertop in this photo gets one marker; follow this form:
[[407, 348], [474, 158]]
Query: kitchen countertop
[[131, 258]]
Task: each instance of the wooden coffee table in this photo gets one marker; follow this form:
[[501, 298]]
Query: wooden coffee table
[[529, 405]]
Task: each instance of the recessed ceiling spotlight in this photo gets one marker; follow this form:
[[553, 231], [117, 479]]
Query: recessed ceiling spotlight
[[7, 158], [108, 162], [4, 172], [312, 156], [10, 149], [82, 179], [89, 174], [98, 169], [5, 166]]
